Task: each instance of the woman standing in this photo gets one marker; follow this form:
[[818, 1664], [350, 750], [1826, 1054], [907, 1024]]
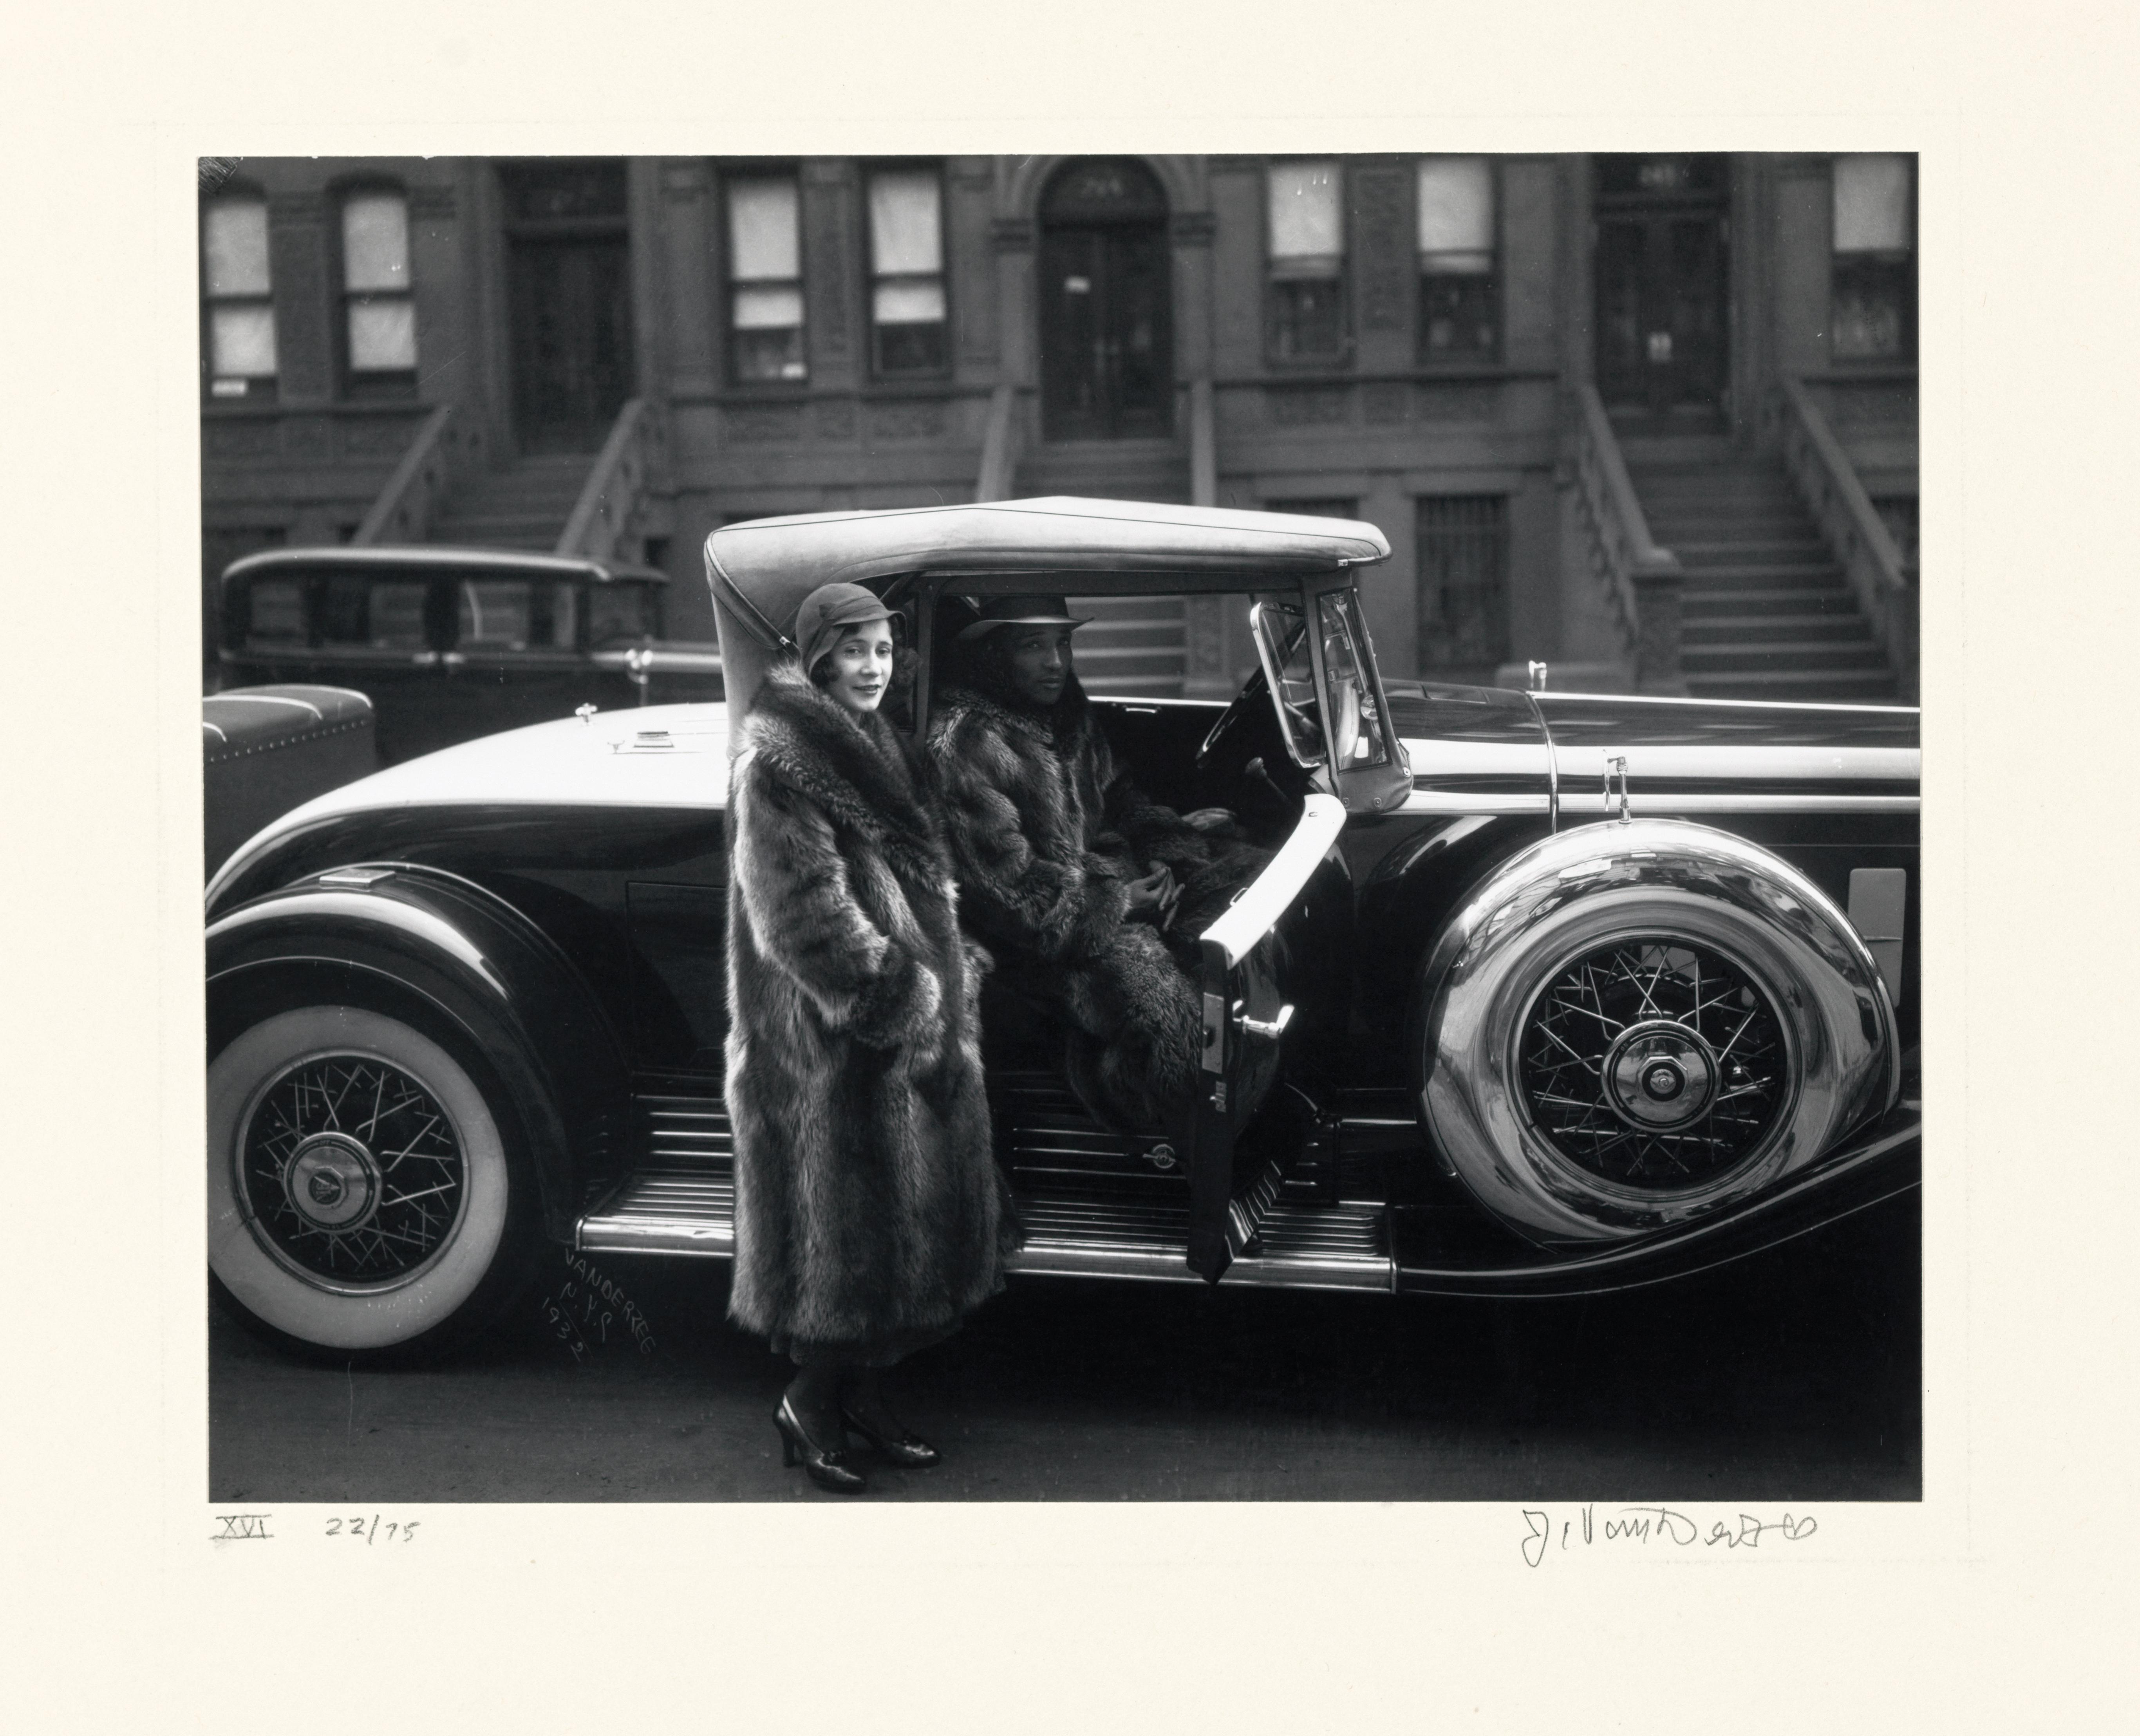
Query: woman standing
[[869, 1212]]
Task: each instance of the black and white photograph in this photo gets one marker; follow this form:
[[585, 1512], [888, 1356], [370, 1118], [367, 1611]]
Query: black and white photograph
[[1062, 827], [936, 869]]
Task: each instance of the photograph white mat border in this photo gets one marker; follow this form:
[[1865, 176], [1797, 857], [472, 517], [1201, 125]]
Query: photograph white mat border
[[1999, 1597]]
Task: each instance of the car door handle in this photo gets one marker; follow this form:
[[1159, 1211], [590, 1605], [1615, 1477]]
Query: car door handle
[[1270, 1030]]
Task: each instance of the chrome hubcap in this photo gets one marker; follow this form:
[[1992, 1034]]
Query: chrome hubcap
[[1654, 1063], [350, 1171], [331, 1181], [1659, 1075]]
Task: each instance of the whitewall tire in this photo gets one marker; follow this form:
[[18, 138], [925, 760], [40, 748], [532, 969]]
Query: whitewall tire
[[360, 1188]]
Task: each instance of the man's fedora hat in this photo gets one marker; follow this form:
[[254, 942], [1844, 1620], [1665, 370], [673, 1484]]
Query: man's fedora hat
[[1022, 611]]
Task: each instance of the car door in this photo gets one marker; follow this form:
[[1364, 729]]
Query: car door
[[1244, 1020], [1328, 695]]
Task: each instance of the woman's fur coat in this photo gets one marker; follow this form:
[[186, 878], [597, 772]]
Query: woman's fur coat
[[869, 1208], [1047, 832]]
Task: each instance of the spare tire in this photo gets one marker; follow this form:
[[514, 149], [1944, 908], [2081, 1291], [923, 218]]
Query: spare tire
[[1631, 1024]]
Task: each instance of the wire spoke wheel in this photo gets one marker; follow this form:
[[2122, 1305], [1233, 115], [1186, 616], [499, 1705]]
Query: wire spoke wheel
[[1654, 1064], [352, 1169], [361, 1197]]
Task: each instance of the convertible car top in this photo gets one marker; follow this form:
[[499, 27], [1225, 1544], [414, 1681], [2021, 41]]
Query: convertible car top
[[760, 570]]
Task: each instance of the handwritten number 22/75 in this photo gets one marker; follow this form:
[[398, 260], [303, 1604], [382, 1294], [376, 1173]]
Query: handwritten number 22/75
[[371, 1530]]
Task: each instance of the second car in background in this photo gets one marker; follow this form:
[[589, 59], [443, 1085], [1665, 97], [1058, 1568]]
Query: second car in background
[[455, 643]]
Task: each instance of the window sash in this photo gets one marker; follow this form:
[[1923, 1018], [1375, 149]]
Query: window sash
[[234, 247], [374, 242], [1456, 210], [241, 341], [1463, 592], [1872, 281], [907, 223], [1307, 214], [1873, 203], [382, 335], [896, 302], [766, 307], [908, 302], [237, 336], [765, 229]]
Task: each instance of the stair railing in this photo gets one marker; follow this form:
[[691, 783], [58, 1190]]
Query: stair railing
[[1884, 584], [999, 446], [611, 513], [1642, 581], [408, 505]]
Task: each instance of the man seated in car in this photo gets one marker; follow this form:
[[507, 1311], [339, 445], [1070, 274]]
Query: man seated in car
[[1090, 894]]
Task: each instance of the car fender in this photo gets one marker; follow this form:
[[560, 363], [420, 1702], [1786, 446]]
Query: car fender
[[479, 963]]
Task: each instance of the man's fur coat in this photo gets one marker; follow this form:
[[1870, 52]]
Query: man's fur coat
[[1047, 832], [868, 1207]]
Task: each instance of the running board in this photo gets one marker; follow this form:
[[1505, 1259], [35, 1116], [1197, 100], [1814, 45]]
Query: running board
[[681, 1202], [1296, 1247], [664, 1211]]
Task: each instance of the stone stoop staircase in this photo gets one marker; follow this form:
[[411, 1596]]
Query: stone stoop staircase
[[524, 506], [1766, 613], [1136, 647]]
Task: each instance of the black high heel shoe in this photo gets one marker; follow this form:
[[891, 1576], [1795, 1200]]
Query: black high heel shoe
[[827, 1466], [908, 1451]]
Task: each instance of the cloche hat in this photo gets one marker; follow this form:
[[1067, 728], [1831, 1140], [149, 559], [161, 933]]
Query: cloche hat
[[829, 611]]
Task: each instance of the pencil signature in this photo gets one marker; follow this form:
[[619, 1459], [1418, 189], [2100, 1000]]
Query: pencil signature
[[1662, 1527]]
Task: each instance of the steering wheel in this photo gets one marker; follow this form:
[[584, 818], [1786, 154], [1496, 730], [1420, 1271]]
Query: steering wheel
[[1240, 714], [1231, 720]]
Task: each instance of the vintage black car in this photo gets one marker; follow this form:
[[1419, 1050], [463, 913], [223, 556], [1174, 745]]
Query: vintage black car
[[1569, 991], [453, 643]]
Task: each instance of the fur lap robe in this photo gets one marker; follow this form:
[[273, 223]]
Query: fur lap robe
[[1047, 832], [869, 1208]]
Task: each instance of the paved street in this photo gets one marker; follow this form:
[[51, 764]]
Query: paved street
[[1792, 1376]]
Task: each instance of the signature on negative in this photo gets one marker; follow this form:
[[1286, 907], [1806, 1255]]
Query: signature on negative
[[1545, 1531]]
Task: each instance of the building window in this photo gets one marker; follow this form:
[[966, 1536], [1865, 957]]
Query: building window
[[765, 279], [907, 319], [1307, 288], [1873, 309], [1463, 582], [238, 309], [1460, 288], [379, 313]]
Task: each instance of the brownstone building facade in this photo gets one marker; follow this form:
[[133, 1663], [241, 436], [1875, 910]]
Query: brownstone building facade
[[1651, 421]]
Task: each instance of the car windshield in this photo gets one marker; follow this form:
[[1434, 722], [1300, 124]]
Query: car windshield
[[1357, 735]]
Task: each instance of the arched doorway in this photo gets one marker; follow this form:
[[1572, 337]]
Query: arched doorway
[[1106, 288]]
